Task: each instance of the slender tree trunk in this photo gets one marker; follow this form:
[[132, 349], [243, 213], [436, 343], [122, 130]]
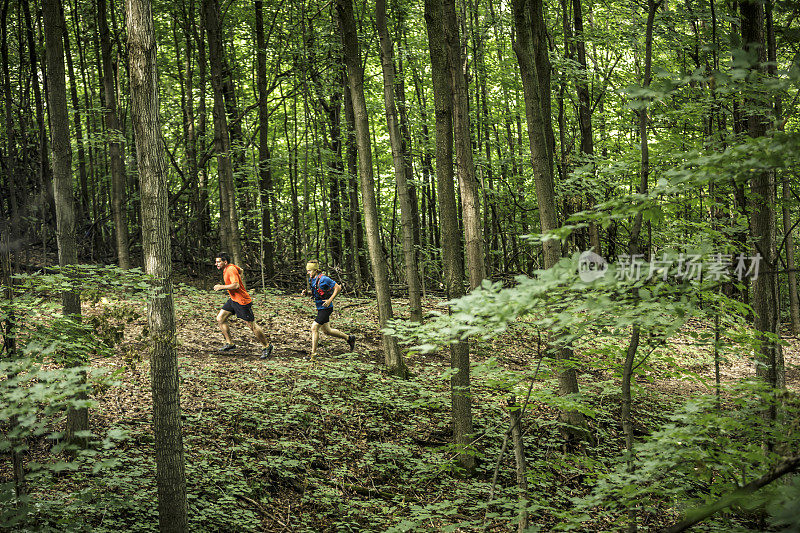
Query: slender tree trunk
[[644, 168], [627, 422], [115, 135], [43, 150], [264, 164], [202, 172], [9, 334], [355, 73], [170, 475], [794, 301], [429, 187], [88, 99], [484, 143], [791, 264], [762, 219], [534, 87], [585, 111], [519, 458], [356, 227], [405, 132], [11, 142], [634, 249], [461, 396], [465, 165], [335, 171], [77, 419], [73, 85], [195, 231], [400, 163], [229, 219], [329, 101]]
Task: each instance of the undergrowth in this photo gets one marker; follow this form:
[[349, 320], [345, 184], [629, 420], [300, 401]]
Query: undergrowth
[[341, 446]]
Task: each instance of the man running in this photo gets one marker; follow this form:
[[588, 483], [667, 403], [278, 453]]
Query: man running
[[323, 290], [239, 304]]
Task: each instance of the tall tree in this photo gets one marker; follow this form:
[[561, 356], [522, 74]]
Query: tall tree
[[584, 108], [83, 179], [229, 219], [264, 157], [766, 320], [77, 419], [45, 173], [199, 35], [465, 165], [170, 475], [356, 233], [791, 274], [528, 22], [10, 133], [400, 163], [355, 72], [634, 248], [461, 396], [114, 136]]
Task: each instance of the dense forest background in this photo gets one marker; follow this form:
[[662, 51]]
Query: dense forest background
[[293, 171], [448, 163]]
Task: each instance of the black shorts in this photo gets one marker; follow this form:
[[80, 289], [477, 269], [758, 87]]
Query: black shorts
[[245, 312], [323, 315]]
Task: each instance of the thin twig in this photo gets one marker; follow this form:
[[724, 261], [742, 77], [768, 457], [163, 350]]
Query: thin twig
[[514, 425]]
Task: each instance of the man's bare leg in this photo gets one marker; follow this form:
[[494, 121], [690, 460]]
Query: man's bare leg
[[222, 320], [259, 333]]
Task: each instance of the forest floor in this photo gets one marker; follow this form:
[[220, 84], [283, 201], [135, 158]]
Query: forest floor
[[290, 444]]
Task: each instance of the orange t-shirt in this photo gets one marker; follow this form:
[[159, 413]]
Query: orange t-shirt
[[240, 295]]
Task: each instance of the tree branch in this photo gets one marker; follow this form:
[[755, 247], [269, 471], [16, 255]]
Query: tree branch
[[786, 466]]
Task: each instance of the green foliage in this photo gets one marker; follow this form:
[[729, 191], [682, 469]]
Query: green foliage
[[701, 453], [32, 399]]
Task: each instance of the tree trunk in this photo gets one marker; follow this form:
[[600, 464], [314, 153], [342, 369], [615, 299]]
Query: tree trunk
[[202, 173], [11, 143], [114, 135], [195, 214], [405, 131], [794, 301], [534, 87], [352, 57], [461, 396], [43, 149], [762, 219], [264, 164], [519, 459], [431, 236], [88, 100], [8, 325], [229, 219], [627, 422], [77, 419], [170, 475], [83, 205], [634, 249], [465, 165], [585, 112], [400, 164], [356, 227]]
